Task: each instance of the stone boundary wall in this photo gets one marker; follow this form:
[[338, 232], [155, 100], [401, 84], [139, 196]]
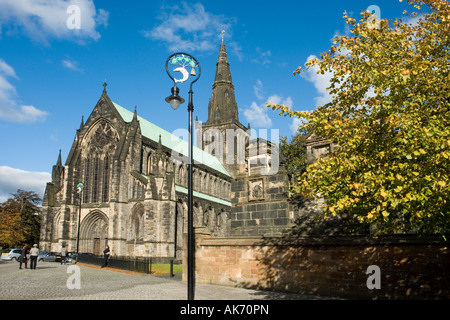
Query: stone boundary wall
[[331, 266]]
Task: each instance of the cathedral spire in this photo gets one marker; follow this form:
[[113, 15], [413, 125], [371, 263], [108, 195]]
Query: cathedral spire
[[222, 105], [223, 73]]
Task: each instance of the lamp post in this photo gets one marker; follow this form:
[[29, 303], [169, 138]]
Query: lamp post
[[183, 60], [79, 191]]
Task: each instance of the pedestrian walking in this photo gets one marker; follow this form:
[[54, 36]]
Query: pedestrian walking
[[106, 255], [23, 257], [34, 252], [63, 254]]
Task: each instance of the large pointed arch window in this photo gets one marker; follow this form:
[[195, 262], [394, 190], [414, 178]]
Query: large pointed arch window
[[97, 177], [98, 147]]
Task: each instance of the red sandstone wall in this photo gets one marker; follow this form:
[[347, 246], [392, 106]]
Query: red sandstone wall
[[409, 269]]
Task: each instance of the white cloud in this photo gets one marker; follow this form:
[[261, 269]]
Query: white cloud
[[101, 19], [190, 27], [288, 102], [30, 114], [42, 19], [296, 123], [321, 83], [6, 69], [257, 116], [236, 49], [258, 89], [257, 113], [12, 179], [10, 108], [263, 57], [71, 64], [279, 100]]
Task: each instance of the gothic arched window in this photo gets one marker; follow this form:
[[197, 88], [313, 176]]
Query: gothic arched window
[[149, 164], [95, 179], [105, 188], [86, 180], [97, 146]]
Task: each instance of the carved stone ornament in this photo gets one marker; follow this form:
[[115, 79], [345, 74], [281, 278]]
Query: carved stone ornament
[[103, 135], [256, 190]]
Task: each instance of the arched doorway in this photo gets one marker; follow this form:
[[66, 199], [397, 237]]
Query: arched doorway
[[94, 232]]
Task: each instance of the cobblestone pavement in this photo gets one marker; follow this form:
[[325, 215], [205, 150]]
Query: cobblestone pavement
[[49, 281]]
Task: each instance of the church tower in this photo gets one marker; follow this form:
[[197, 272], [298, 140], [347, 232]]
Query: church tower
[[223, 135]]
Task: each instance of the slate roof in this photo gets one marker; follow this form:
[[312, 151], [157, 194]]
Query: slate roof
[[203, 196], [153, 132]]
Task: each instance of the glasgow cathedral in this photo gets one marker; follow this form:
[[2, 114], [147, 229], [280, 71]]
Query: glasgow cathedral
[[134, 195]]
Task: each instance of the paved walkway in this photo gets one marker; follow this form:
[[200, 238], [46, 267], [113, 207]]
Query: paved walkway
[[50, 281]]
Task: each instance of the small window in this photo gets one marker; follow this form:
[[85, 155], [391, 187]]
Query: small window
[[149, 164]]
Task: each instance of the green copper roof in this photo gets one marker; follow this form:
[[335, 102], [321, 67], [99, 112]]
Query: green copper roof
[[171, 141], [203, 196]]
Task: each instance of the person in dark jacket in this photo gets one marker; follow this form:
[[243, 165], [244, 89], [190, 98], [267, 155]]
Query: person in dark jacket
[[106, 254], [23, 257]]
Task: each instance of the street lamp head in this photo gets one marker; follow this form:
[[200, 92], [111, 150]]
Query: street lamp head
[[174, 99], [181, 61]]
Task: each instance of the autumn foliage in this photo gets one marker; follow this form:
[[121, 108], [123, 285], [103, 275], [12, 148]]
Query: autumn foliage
[[390, 118], [20, 219]]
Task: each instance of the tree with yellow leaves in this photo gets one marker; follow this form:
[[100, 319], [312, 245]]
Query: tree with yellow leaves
[[390, 117], [11, 232], [20, 219]]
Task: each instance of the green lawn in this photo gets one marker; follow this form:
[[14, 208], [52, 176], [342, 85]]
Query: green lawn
[[165, 268]]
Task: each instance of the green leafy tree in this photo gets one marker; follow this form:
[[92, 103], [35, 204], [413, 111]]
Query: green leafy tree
[[20, 219], [390, 118], [293, 153]]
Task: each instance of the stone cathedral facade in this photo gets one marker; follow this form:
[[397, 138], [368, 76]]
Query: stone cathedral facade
[[134, 179]]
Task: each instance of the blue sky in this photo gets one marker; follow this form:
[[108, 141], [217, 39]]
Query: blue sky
[[51, 75]]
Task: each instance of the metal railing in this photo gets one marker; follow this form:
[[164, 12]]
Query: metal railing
[[135, 264]]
